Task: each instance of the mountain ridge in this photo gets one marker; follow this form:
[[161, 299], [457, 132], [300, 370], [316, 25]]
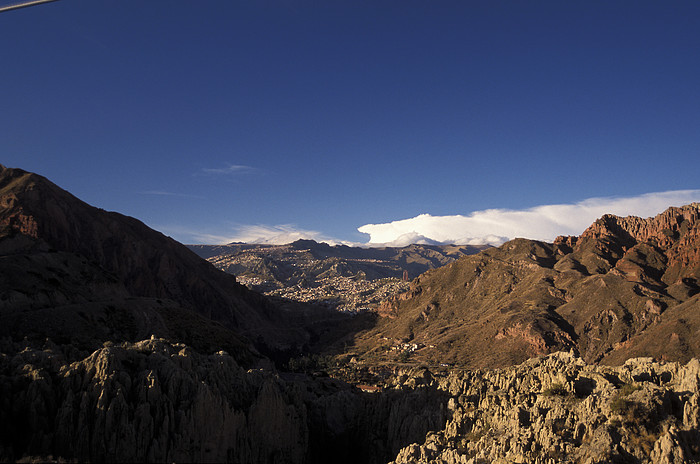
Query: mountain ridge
[[602, 294]]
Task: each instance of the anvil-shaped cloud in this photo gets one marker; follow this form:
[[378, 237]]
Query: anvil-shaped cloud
[[495, 226]]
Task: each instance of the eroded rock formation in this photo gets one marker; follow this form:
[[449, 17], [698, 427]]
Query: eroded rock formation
[[80, 288], [557, 409], [156, 401]]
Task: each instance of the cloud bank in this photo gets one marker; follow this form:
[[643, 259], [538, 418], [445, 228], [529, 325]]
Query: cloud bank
[[170, 194], [229, 169], [492, 226], [496, 226], [279, 235]]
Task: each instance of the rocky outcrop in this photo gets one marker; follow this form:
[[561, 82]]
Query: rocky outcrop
[[146, 402], [673, 235], [664, 229], [557, 409], [157, 401]]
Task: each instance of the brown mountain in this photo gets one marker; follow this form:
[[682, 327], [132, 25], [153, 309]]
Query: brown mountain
[[60, 253], [626, 287]]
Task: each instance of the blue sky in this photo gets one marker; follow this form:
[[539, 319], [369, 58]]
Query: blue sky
[[224, 119]]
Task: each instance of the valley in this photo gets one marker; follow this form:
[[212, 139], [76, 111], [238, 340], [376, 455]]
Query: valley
[[347, 279]]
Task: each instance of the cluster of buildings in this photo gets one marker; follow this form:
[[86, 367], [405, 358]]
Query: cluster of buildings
[[348, 294]]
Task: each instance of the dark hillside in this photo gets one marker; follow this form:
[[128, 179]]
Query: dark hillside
[[71, 241]]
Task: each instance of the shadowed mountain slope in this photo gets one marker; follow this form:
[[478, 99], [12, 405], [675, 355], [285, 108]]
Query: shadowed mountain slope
[[99, 316], [73, 253], [625, 287]]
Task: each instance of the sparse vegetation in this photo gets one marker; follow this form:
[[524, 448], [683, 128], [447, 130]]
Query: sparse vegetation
[[636, 417], [622, 406], [644, 440], [478, 432], [628, 388], [556, 389], [474, 435], [619, 405], [404, 356], [311, 363]]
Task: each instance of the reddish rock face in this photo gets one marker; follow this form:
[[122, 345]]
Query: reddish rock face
[[675, 233], [146, 261], [664, 228]]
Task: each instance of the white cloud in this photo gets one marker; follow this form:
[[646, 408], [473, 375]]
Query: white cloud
[[270, 235], [273, 235], [259, 234], [495, 226], [229, 169], [170, 194]]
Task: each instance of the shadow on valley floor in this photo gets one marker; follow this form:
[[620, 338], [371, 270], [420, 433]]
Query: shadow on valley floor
[[328, 336]]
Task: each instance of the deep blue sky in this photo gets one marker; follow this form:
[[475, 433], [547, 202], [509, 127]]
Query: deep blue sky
[[335, 114]]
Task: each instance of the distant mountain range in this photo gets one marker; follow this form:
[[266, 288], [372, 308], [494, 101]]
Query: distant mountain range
[[340, 277], [291, 263]]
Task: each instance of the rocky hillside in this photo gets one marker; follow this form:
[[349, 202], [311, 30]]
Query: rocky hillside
[[626, 287], [63, 296], [340, 277]]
